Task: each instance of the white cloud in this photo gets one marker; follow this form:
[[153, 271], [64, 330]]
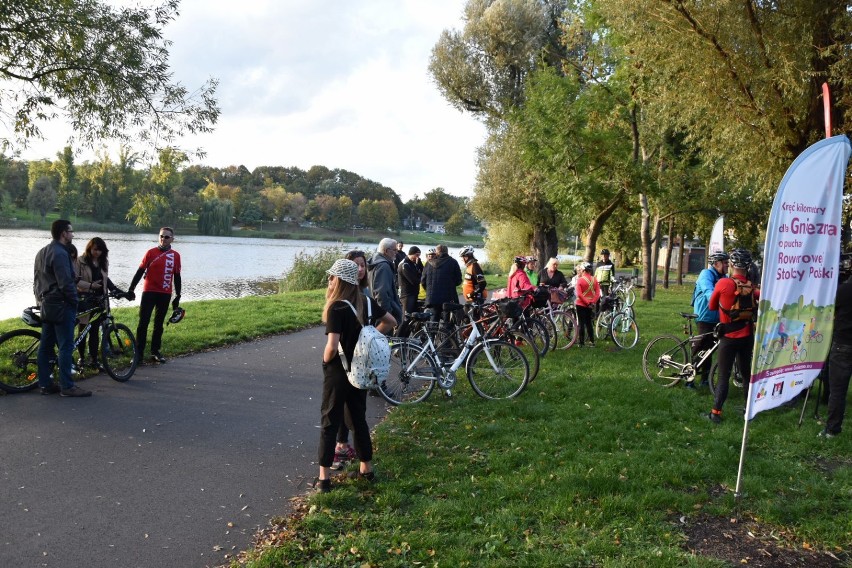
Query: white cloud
[[339, 84]]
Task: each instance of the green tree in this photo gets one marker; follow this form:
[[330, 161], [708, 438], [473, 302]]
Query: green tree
[[455, 224], [742, 80], [42, 196], [148, 209], [105, 69], [68, 193], [215, 217]]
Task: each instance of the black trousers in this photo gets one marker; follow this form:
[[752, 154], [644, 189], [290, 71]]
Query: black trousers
[[728, 351], [158, 304], [584, 319], [342, 402], [839, 371]]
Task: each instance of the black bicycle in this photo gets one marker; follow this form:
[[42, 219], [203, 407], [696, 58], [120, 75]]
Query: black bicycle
[[19, 348]]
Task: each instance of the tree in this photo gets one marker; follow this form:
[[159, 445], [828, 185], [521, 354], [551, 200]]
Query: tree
[[104, 69], [742, 80], [455, 224], [215, 217], [42, 196]]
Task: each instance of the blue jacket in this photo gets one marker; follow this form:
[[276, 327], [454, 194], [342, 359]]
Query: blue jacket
[[701, 295]]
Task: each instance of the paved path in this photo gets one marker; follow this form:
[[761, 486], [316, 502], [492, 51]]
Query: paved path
[[175, 468]]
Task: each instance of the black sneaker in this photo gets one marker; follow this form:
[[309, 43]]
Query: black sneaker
[[690, 385], [157, 358], [369, 477], [823, 434], [52, 389], [713, 417], [75, 391], [322, 485]]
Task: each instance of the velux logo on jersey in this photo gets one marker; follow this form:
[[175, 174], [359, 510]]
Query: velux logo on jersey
[[168, 271]]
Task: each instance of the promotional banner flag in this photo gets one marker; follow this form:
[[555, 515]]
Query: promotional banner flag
[[717, 236], [800, 274]]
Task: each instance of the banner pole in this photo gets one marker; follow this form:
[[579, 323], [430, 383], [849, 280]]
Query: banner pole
[[737, 492], [804, 406], [826, 105]]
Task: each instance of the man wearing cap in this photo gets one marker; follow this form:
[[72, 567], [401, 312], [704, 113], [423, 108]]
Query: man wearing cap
[[441, 278], [382, 278], [409, 272]]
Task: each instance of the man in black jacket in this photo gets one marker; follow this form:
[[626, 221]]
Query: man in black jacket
[[441, 278], [55, 289], [409, 273]]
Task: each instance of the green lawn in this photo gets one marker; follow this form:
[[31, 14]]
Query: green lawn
[[591, 466]]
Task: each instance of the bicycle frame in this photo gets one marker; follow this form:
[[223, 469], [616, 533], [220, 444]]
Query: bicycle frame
[[687, 371]]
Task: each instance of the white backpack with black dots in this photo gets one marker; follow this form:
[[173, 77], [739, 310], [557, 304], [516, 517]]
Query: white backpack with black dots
[[371, 359]]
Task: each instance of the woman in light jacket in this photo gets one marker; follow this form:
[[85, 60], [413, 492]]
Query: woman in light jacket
[[92, 282]]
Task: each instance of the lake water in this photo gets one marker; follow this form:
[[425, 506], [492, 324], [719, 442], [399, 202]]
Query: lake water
[[212, 267]]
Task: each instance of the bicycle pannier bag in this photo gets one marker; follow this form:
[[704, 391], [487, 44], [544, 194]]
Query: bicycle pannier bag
[[540, 297], [558, 296], [370, 362], [510, 308]]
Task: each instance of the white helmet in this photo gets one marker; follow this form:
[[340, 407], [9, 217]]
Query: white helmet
[[466, 251]]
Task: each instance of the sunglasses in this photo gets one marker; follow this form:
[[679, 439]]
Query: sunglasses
[[166, 237]]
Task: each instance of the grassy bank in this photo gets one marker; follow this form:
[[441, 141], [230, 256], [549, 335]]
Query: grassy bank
[[216, 323], [591, 466]]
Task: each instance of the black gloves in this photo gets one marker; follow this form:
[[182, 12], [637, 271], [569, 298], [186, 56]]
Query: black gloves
[[176, 302], [130, 295]]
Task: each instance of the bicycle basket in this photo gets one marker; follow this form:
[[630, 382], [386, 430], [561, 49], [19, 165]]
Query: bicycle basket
[[558, 296], [510, 308]]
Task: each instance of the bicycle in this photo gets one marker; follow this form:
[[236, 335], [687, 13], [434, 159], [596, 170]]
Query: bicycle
[[666, 360], [615, 321], [560, 316], [19, 349], [495, 369]]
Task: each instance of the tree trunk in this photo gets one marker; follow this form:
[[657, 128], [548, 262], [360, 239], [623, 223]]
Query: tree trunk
[[680, 260], [545, 243], [667, 268], [597, 224], [655, 254], [647, 260]]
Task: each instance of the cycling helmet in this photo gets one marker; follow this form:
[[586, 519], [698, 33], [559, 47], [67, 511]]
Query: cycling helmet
[[605, 251], [431, 251], [466, 251], [717, 256], [585, 267], [177, 315], [520, 260], [531, 259], [30, 317], [740, 258]]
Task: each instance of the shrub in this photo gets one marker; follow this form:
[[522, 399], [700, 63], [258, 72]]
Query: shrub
[[308, 270]]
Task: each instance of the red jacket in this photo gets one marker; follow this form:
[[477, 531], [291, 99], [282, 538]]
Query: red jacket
[[723, 297], [588, 291], [518, 282]]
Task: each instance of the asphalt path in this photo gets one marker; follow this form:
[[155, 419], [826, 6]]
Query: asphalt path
[[177, 467]]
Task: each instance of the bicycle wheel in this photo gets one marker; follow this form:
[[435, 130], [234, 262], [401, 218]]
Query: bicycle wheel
[[525, 344], [663, 360], [413, 374], [566, 323], [536, 331], [602, 325], [625, 331], [765, 358], [118, 351], [630, 298], [507, 377], [552, 332], [18, 360], [735, 381]]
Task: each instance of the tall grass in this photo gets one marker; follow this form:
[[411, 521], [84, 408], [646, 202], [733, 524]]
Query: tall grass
[[308, 270]]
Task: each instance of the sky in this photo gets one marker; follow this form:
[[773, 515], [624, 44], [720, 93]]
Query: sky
[[320, 82]]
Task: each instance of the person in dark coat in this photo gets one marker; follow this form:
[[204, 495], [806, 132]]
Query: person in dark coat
[[441, 279], [409, 273]]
